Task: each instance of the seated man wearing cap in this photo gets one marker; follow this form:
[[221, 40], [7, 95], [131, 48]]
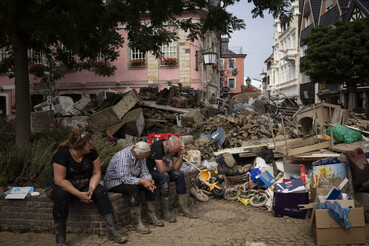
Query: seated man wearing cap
[[164, 162], [127, 173]]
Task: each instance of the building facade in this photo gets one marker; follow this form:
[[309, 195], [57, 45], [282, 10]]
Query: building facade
[[283, 65], [182, 62], [231, 67]]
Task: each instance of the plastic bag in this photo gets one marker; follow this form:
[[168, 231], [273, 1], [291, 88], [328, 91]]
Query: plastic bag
[[343, 134]]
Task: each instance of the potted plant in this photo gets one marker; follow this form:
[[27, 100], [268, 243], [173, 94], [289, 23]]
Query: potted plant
[[137, 62], [169, 61]]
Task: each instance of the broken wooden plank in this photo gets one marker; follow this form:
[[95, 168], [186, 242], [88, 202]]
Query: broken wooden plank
[[162, 107], [359, 130], [309, 148], [343, 147]]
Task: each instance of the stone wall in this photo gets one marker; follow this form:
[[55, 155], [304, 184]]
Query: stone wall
[[34, 214]]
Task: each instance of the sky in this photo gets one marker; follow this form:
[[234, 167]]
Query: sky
[[256, 40]]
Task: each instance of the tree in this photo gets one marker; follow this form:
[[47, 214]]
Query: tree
[[88, 29], [339, 55]]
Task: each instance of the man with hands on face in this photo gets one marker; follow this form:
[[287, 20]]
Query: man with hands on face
[[164, 163], [127, 173]]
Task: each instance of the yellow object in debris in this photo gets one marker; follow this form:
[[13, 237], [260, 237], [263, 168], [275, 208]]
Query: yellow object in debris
[[244, 200]]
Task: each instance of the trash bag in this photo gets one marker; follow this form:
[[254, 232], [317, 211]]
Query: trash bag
[[343, 134], [217, 137], [266, 154], [338, 213]]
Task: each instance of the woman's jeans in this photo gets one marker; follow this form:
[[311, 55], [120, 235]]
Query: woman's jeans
[[62, 198]]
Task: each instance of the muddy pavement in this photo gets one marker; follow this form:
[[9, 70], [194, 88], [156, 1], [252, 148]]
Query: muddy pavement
[[220, 223]]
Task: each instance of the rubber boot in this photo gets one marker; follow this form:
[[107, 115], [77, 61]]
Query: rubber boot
[[166, 212], [60, 233], [137, 222], [183, 206], [113, 233], [152, 214]]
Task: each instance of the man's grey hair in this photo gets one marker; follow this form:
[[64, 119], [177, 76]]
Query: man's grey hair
[[174, 142], [140, 148]]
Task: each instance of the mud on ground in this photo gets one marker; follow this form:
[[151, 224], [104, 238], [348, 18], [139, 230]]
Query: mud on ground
[[220, 223]]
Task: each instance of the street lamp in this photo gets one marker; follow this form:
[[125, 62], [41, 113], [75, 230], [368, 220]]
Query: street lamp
[[248, 82], [210, 58]]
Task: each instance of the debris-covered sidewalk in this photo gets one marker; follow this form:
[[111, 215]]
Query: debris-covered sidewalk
[[277, 159]]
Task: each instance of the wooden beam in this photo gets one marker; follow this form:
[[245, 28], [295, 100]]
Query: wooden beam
[[163, 107], [309, 148]]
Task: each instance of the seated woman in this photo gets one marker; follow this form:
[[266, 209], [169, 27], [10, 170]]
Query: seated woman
[[76, 174], [127, 173]]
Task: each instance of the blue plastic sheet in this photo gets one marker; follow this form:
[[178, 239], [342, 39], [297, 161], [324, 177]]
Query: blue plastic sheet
[[338, 213]]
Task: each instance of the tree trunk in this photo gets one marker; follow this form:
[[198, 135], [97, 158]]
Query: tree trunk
[[351, 89], [19, 41]]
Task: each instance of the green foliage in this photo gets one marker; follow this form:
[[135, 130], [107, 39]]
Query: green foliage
[[12, 160], [338, 54], [31, 164], [57, 132], [106, 149], [7, 133]]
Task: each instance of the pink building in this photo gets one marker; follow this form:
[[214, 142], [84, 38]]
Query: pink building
[[135, 69]]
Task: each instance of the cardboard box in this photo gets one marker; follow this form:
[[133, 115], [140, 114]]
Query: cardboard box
[[327, 187], [327, 231], [293, 171], [286, 204], [292, 186]]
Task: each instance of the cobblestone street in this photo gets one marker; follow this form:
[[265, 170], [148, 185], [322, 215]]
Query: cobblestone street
[[220, 223]]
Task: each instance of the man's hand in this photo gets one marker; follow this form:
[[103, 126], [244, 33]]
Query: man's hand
[[148, 184], [181, 151]]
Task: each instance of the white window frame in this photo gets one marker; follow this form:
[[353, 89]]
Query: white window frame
[[4, 53], [65, 50], [137, 54], [328, 4], [221, 64], [100, 57], [7, 113], [234, 63], [229, 84], [307, 20], [31, 57], [169, 51]]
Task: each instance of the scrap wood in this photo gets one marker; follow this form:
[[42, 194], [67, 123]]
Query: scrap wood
[[343, 147], [162, 107], [233, 151], [357, 129], [132, 115], [309, 148]]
